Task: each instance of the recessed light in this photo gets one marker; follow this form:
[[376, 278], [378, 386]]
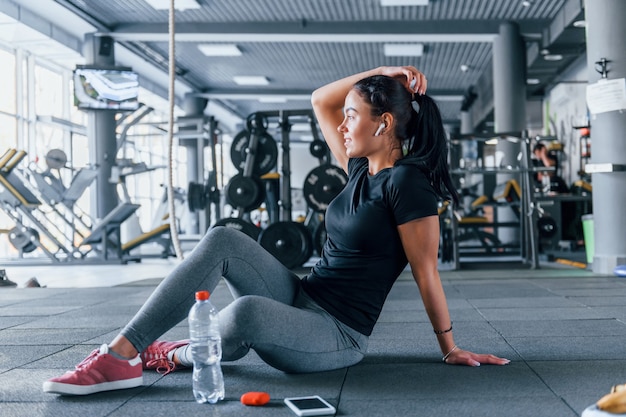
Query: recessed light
[[465, 68], [178, 4], [404, 49], [251, 80], [210, 49], [527, 3], [532, 81], [580, 24], [404, 3]]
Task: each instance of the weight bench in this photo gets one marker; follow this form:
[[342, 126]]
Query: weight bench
[[509, 192], [473, 224], [156, 234], [107, 232], [471, 227]]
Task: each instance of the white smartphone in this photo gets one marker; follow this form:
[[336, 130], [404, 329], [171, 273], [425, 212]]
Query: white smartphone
[[313, 405]]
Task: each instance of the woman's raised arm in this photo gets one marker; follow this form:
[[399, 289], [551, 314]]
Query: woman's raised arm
[[328, 102]]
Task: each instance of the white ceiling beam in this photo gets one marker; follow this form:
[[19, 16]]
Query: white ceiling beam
[[303, 38], [375, 31]]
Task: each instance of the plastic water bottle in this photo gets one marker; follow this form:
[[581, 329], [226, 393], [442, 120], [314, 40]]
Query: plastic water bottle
[[206, 350]]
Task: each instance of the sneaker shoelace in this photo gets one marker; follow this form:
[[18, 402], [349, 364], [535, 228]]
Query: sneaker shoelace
[[93, 356], [160, 363]]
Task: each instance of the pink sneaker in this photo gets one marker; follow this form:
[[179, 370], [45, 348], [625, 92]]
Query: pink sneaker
[[97, 372], [159, 356]]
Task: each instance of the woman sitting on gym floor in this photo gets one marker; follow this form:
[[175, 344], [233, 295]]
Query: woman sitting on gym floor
[[389, 137]]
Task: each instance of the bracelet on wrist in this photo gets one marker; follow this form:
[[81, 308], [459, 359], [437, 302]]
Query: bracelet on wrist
[[440, 332], [455, 347]]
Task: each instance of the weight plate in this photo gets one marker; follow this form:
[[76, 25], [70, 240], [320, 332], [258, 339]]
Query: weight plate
[[547, 227], [241, 225], [246, 193], [323, 184], [257, 121], [24, 240], [289, 242], [318, 148], [56, 159], [265, 157], [196, 197]]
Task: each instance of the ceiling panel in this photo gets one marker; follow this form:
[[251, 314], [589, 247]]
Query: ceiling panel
[[116, 11], [456, 34]]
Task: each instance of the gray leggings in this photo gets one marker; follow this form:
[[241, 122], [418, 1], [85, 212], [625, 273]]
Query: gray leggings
[[270, 314]]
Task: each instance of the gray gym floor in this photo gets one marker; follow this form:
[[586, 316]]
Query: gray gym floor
[[562, 327]]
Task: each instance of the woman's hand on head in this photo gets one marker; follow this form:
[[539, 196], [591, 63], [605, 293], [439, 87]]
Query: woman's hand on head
[[410, 76], [465, 357]]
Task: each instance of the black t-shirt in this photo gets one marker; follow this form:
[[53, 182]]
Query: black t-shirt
[[363, 254]]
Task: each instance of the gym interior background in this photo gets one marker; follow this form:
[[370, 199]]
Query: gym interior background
[[84, 123]]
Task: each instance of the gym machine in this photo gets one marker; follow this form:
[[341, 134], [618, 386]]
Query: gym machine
[[36, 219], [475, 230], [46, 216], [255, 154], [203, 197], [289, 241], [23, 206], [126, 210]]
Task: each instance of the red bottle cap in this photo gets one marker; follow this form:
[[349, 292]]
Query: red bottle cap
[[202, 295]]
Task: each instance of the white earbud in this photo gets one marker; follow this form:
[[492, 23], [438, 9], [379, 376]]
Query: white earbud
[[380, 129]]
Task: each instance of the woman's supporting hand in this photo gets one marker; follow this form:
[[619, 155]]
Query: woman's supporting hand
[[465, 357]]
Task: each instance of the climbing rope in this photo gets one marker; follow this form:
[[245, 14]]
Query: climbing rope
[[170, 153]]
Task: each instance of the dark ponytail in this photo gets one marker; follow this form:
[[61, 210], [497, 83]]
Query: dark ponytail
[[424, 137], [427, 146]]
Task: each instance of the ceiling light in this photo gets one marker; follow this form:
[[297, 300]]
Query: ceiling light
[[553, 57], [272, 99], [178, 4], [404, 49], [465, 68], [251, 80], [404, 2], [527, 3], [209, 49], [532, 81], [580, 24], [548, 56]]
